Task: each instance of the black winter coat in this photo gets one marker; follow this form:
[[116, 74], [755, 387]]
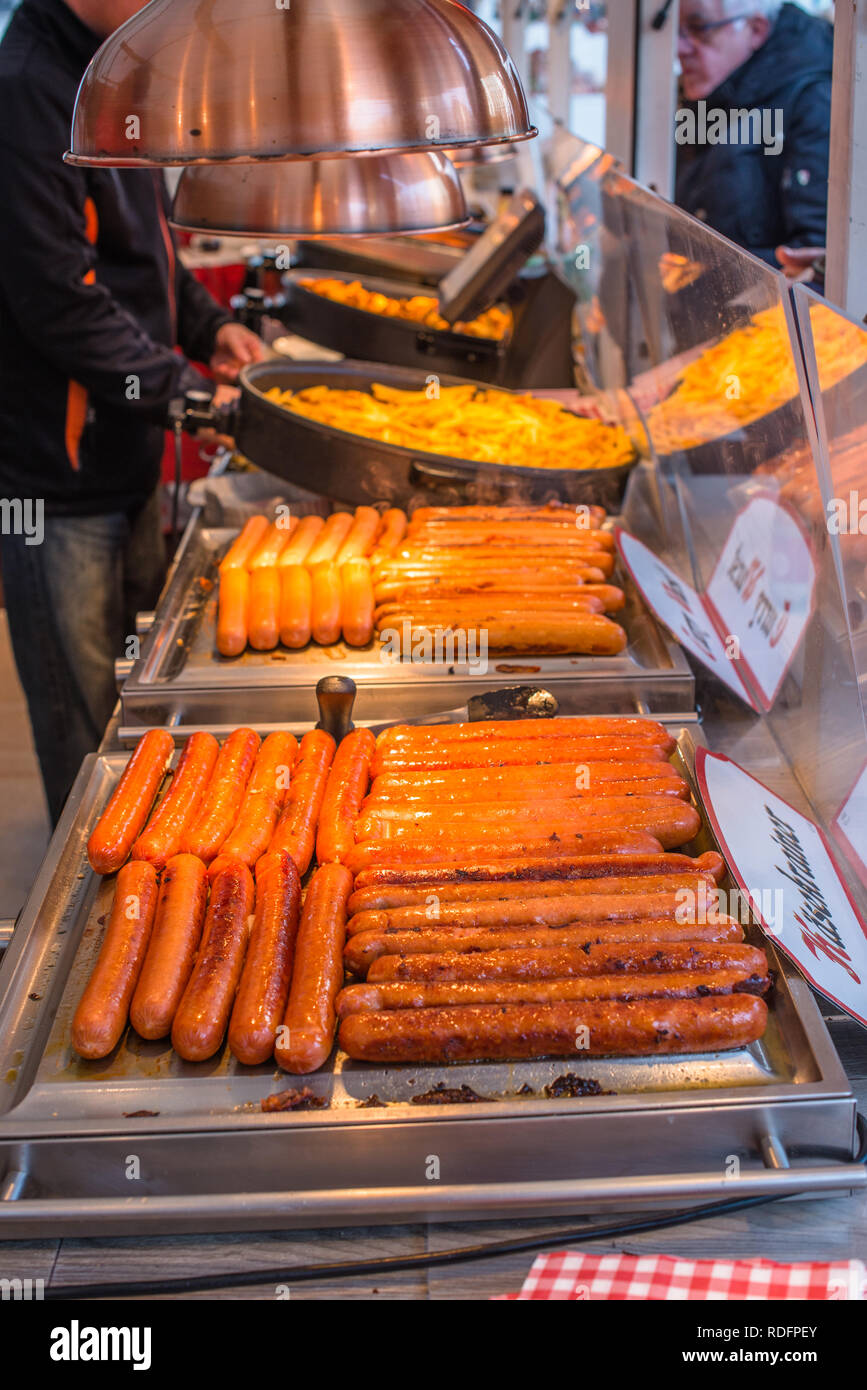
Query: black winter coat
[[92, 297], [760, 200]]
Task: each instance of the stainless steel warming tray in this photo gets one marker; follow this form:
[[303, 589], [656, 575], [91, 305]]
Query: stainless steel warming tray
[[145, 1143], [181, 680]]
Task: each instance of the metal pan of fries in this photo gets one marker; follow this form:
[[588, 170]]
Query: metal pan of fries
[[518, 440], [395, 322]]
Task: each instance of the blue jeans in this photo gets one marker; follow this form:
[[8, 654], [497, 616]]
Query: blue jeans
[[72, 602]]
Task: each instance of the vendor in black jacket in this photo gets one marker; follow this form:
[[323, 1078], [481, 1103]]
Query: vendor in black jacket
[[93, 302], [757, 74]]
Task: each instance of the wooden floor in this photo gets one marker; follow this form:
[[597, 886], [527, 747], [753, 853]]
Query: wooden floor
[[23, 813]]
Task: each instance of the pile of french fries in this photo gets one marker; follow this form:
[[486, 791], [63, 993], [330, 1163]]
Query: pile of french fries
[[467, 422], [419, 308], [749, 373]]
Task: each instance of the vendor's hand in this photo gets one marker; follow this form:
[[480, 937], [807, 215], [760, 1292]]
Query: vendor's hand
[[235, 348], [797, 261], [223, 396]]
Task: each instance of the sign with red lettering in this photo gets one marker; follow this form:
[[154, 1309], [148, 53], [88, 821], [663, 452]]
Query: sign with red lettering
[[677, 605], [762, 592], [783, 864], [749, 624]]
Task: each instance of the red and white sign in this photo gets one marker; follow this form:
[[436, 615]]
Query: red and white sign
[[756, 608], [762, 591], [783, 865], [850, 825], [677, 605]]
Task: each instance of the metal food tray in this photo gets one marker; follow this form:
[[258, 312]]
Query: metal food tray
[[181, 680], [781, 1111], [364, 470]]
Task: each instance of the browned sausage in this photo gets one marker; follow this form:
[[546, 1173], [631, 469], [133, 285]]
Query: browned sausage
[[699, 886], [102, 1010], [366, 946], [296, 828], [468, 1033], [519, 753], [513, 783], [409, 854], [685, 984], [124, 817], [306, 1037], [172, 950], [671, 821], [218, 809], [560, 911], [529, 871], [264, 799], [636, 730], [200, 1022], [344, 792], [267, 973], [564, 962], [161, 838]]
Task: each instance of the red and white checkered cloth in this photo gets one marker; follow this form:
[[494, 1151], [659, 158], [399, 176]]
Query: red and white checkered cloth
[[568, 1276]]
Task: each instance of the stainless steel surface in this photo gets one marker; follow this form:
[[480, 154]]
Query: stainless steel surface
[[231, 1211], [370, 196], [7, 927], [210, 1159], [180, 677], [222, 81]]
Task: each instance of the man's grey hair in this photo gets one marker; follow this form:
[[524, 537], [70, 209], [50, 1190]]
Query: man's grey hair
[[769, 8]]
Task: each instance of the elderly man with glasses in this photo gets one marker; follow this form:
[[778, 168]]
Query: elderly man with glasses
[[753, 125]]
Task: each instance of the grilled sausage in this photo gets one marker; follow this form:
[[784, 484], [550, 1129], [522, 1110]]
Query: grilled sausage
[[701, 889], [468, 1033], [530, 871], [238, 555], [233, 602], [636, 730], [102, 1010], [330, 539], [306, 1037], [356, 602], [326, 604], [577, 786], [411, 852], [273, 543], [393, 531], [161, 838], [565, 962], [344, 791], [306, 533], [513, 783], [263, 801], [295, 615], [200, 1021], [367, 946], [549, 911], [361, 535], [671, 821], [264, 988], [221, 802], [523, 752], [175, 939], [296, 830], [686, 984], [263, 609], [130, 803]]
